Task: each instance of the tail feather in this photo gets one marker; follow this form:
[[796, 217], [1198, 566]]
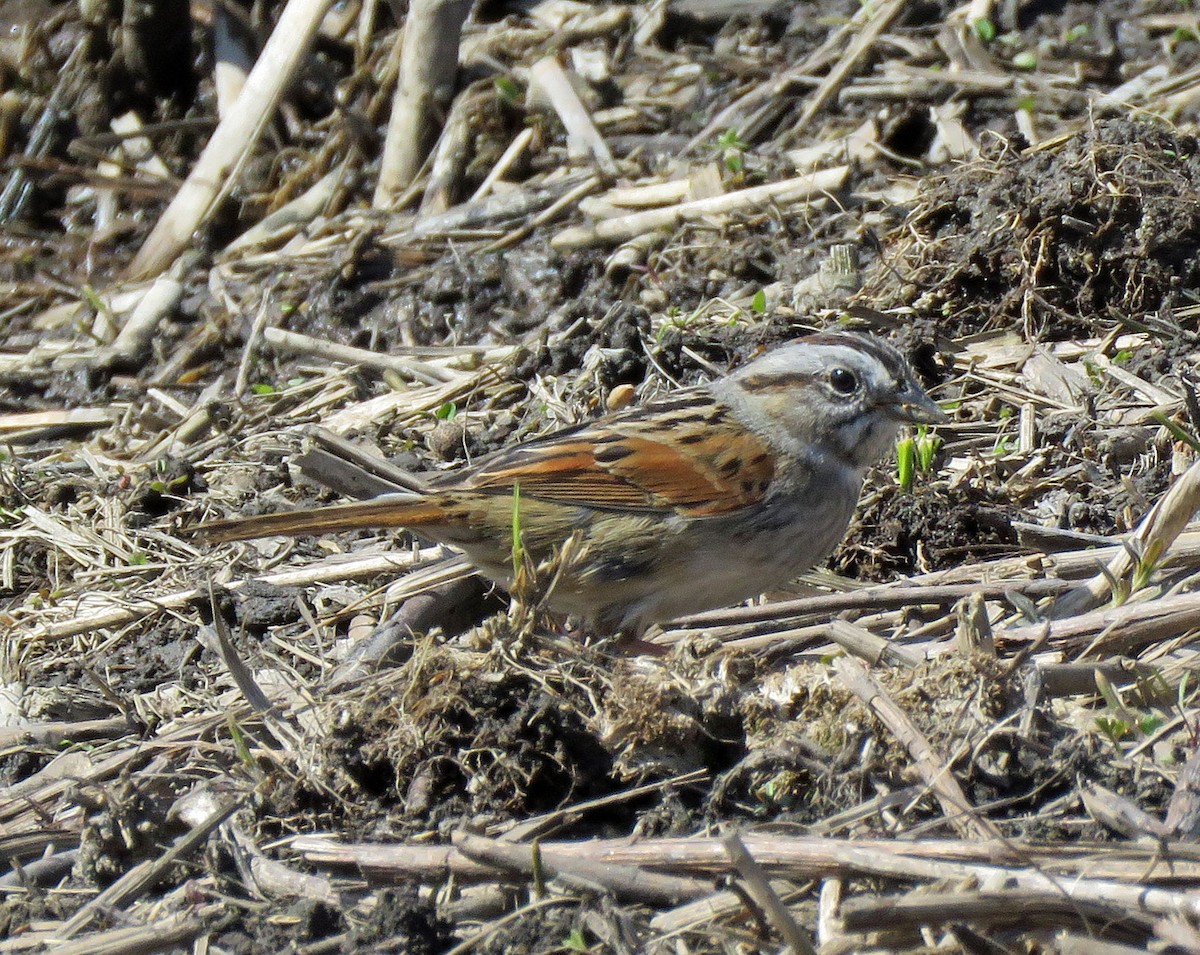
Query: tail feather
[[390, 510]]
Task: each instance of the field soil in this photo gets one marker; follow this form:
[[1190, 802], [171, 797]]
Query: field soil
[[973, 729]]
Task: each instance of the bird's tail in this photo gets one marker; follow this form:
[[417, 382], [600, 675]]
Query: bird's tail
[[388, 510]]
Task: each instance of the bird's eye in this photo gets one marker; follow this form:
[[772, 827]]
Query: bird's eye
[[843, 381]]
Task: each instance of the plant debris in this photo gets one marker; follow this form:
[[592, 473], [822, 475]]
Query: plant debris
[[242, 245]]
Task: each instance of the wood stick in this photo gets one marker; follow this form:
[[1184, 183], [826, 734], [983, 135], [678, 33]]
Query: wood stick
[[629, 882], [551, 79], [759, 888], [881, 17], [428, 67], [1085, 870], [133, 608], [222, 159], [611, 231], [1149, 543], [933, 769], [413, 368]]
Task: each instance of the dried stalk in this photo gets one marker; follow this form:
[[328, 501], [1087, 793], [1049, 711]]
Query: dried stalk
[[222, 159], [428, 67]]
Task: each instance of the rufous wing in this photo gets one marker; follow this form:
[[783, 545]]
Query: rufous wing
[[696, 461]]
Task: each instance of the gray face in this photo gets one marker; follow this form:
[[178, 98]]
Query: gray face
[[846, 394]]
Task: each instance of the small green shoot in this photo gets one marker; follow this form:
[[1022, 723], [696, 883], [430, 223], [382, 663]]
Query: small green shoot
[[508, 90], [1025, 60], [447, 412], [1109, 693], [985, 29], [1119, 586], [538, 869], [241, 747], [733, 149], [1149, 723], [1181, 702], [758, 304], [1028, 104], [93, 299], [262, 388], [1178, 433], [165, 487], [1078, 32], [1112, 727], [1121, 722], [575, 941], [1146, 564], [915, 455], [906, 462], [97, 304], [518, 545], [928, 446]]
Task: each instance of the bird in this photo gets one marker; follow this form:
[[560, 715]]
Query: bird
[[701, 499]]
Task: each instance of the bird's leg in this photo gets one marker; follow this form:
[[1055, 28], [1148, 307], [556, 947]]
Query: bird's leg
[[632, 643]]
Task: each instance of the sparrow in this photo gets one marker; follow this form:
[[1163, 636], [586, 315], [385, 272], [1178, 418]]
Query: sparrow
[[702, 499]]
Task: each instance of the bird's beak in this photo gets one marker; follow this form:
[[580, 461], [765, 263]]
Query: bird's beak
[[913, 406]]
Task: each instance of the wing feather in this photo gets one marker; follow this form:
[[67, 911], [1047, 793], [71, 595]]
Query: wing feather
[[693, 458]]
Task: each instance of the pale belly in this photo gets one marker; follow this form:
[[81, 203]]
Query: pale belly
[[688, 566], [636, 570]]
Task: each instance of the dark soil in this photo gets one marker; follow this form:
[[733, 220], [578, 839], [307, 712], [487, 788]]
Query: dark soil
[[1097, 233], [1046, 293]]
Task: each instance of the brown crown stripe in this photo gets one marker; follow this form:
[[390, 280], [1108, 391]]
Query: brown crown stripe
[[876, 348], [776, 381]]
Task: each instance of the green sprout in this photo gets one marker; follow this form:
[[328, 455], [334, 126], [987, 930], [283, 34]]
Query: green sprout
[[758, 304], [1120, 721], [906, 462], [985, 29], [241, 746], [447, 412], [518, 544], [733, 149], [928, 446], [1114, 728], [1178, 433], [915, 456], [1146, 563], [508, 90]]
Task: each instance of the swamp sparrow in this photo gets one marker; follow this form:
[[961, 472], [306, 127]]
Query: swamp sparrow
[[699, 500]]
